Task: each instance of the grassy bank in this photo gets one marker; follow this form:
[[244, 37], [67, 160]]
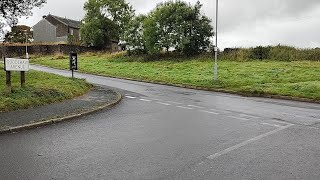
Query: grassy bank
[[295, 79], [41, 88]]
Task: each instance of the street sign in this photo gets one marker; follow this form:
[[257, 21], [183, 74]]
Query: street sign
[[12, 64], [73, 61]]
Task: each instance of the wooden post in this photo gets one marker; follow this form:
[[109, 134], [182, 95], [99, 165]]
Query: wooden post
[[8, 81], [23, 79]]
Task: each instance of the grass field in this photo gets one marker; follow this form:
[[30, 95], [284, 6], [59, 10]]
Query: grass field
[[41, 88], [293, 79]]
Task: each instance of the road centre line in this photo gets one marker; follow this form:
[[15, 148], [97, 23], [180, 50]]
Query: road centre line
[[131, 97], [194, 106], [244, 143], [182, 107], [273, 125], [209, 112], [145, 100], [166, 104], [248, 116], [172, 102], [239, 118]]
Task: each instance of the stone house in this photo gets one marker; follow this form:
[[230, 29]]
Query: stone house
[[56, 29]]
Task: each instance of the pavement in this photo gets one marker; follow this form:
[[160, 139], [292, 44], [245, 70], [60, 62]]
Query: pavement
[[163, 132], [96, 99]]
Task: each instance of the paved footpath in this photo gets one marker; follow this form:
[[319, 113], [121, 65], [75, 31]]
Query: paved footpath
[[95, 99]]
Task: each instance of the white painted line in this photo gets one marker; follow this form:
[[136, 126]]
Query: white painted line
[[239, 118], [199, 107], [182, 107], [282, 122], [220, 111], [209, 112], [131, 97], [145, 100], [172, 102], [248, 116], [273, 125], [166, 104], [230, 149]]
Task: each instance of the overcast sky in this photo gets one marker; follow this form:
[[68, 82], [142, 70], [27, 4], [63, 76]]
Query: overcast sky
[[242, 23]]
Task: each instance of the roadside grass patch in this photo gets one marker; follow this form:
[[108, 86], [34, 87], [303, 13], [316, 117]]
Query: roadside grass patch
[[294, 79], [41, 89]]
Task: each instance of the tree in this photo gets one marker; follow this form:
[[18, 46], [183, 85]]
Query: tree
[[105, 20], [180, 26], [10, 10], [134, 35], [19, 34]]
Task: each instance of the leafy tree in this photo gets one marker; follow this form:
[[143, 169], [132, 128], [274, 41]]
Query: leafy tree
[[19, 34], [105, 20], [134, 35], [178, 25], [10, 10]]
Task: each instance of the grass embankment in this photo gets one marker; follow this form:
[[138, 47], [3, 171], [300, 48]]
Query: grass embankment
[[295, 79], [41, 88]]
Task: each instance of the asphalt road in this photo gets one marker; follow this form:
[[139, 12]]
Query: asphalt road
[[162, 132]]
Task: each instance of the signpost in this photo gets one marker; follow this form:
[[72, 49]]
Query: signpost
[[20, 65], [73, 62]]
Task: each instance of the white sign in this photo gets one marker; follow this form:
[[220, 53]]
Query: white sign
[[12, 64]]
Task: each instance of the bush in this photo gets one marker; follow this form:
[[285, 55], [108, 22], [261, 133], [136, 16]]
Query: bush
[[278, 53], [260, 53]]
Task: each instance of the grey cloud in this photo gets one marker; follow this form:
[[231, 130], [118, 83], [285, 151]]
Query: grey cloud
[[241, 22]]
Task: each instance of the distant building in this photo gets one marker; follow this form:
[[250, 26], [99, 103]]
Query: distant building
[[56, 29]]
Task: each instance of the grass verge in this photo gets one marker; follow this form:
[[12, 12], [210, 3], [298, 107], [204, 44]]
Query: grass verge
[[41, 88], [259, 78]]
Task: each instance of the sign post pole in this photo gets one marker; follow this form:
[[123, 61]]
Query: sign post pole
[[8, 81], [23, 79]]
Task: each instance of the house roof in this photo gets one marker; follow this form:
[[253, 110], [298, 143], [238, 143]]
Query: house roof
[[68, 22]]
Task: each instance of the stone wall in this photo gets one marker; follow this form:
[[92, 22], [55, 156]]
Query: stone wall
[[20, 51]]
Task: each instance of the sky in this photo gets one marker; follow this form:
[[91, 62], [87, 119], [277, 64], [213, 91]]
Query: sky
[[242, 23]]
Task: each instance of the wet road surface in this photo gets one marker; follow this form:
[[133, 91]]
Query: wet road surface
[[161, 132]]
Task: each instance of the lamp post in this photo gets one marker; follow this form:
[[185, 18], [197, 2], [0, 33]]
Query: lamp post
[[216, 47], [27, 54]]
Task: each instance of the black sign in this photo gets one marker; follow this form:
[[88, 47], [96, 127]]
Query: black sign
[[73, 61]]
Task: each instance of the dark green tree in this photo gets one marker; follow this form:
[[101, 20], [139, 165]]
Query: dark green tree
[[11, 10], [178, 25], [105, 20], [19, 34], [134, 36]]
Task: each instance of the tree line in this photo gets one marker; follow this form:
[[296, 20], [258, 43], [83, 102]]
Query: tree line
[[171, 26]]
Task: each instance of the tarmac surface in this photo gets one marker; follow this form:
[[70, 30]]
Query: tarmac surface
[[162, 132]]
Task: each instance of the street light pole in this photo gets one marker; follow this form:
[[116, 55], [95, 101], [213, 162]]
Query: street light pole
[[27, 54], [216, 47]]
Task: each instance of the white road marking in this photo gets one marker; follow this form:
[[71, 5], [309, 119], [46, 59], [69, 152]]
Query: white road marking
[[273, 125], [209, 112], [131, 97], [230, 149], [199, 107], [166, 104], [248, 116], [239, 118], [145, 100], [172, 102], [182, 107], [282, 122], [220, 111]]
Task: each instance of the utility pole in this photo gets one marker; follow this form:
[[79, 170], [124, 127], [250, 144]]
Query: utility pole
[[216, 47], [27, 54]]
